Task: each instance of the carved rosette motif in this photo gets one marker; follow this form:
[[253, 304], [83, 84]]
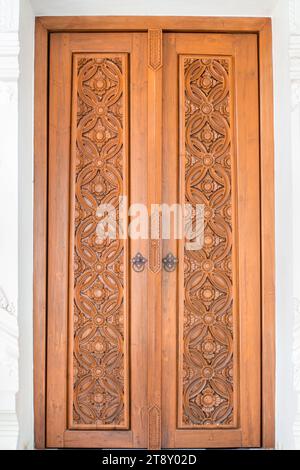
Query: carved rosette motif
[[207, 364], [99, 325]]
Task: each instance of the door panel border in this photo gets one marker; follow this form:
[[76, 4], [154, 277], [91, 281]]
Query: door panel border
[[262, 27]]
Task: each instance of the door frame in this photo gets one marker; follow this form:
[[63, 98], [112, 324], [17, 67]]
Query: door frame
[[262, 27]]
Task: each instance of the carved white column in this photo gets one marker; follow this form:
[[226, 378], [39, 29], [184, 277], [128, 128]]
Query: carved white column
[[9, 71], [295, 122]]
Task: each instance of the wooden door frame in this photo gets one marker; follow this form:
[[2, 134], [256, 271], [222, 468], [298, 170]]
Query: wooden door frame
[[262, 27]]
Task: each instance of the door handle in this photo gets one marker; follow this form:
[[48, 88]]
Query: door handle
[[170, 262], [138, 262]]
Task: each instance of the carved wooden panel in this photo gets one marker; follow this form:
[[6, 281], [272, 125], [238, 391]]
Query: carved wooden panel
[[154, 427], [155, 49], [155, 243], [98, 321], [207, 361]]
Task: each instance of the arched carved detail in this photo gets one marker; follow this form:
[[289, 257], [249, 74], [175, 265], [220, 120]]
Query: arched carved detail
[[154, 427], [155, 49]]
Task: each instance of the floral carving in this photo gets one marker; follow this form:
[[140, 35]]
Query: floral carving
[[207, 363], [99, 326]]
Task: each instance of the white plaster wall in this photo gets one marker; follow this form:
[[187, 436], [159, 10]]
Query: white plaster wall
[[155, 7], [26, 62], [285, 395], [295, 126], [278, 9]]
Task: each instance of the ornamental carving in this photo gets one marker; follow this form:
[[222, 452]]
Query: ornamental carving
[[207, 364], [154, 427], [155, 49], [99, 316]]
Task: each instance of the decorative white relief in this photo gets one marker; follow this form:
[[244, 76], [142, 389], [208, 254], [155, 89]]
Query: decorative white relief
[[9, 12], [295, 66], [292, 15], [5, 304], [9, 41], [296, 362], [9, 380], [8, 92], [9, 51], [295, 89], [9, 350]]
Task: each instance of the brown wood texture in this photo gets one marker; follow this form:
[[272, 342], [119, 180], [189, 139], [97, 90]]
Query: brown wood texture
[[144, 23], [218, 382], [40, 231], [138, 194], [154, 197], [58, 222], [267, 236], [145, 415], [96, 273], [208, 311]]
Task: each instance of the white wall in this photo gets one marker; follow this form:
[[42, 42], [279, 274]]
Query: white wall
[[286, 419], [285, 395], [295, 81], [24, 398], [155, 7]]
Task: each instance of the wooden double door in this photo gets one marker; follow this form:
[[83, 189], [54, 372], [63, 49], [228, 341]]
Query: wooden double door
[[146, 350]]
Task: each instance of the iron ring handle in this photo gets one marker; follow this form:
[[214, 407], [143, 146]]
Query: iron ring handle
[[138, 262], [170, 262]]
